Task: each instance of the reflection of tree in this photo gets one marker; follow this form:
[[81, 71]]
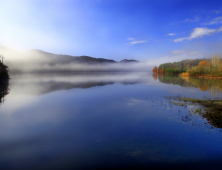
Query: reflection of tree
[[174, 79], [4, 90], [203, 87], [213, 85], [155, 76]]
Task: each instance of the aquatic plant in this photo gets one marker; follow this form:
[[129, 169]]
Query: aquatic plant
[[211, 109]]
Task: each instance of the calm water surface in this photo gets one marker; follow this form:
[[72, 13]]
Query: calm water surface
[[106, 121]]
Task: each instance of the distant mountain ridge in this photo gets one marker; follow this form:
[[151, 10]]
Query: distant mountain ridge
[[126, 61], [62, 59], [80, 59], [38, 60]]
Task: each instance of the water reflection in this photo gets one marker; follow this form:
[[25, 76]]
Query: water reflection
[[4, 90], [189, 113], [123, 121], [210, 110], [214, 86], [38, 84]]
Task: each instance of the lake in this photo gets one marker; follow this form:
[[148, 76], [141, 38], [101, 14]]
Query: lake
[[106, 120]]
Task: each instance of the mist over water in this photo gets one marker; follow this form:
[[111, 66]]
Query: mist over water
[[104, 120], [40, 61], [77, 89]]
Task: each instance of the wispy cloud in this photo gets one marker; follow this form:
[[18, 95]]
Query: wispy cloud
[[130, 39], [192, 20], [183, 52], [216, 11], [133, 41], [137, 42], [199, 33], [187, 20], [217, 20], [171, 34]]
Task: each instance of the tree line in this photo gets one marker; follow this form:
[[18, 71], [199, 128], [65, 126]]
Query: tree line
[[4, 71], [196, 66]]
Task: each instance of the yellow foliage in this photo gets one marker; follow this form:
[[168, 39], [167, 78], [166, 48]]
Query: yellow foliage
[[204, 63], [184, 74]]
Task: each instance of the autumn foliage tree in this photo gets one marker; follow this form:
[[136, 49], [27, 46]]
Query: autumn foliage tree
[[204, 63], [155, 69], [160, 71]]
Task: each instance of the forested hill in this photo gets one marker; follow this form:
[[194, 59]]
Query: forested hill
[[179, 67], [211, 66], [181, 64]]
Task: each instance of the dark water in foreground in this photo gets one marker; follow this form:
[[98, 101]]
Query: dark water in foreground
[[106, 121]]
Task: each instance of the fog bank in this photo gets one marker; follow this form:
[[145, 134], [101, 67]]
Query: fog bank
[[40, 61]]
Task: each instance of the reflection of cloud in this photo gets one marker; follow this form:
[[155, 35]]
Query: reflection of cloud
[[17, 103], [133, 101], [199, 33]]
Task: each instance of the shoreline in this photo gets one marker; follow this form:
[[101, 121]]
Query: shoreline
[[210, 108], [201, 76]]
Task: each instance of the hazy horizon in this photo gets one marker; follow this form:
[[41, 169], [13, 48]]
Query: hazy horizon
[[38, 60]]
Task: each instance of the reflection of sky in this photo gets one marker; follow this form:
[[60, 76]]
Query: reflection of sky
[[116, 123]]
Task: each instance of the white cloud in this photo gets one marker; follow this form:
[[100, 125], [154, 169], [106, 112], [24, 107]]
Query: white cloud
[[133, 41], [199, 33], [137, 42], [220, 29], [217, 20], [192, 20], [179, 39], [171, 34]]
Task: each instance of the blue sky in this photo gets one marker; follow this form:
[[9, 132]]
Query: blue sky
[[115, 29]]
